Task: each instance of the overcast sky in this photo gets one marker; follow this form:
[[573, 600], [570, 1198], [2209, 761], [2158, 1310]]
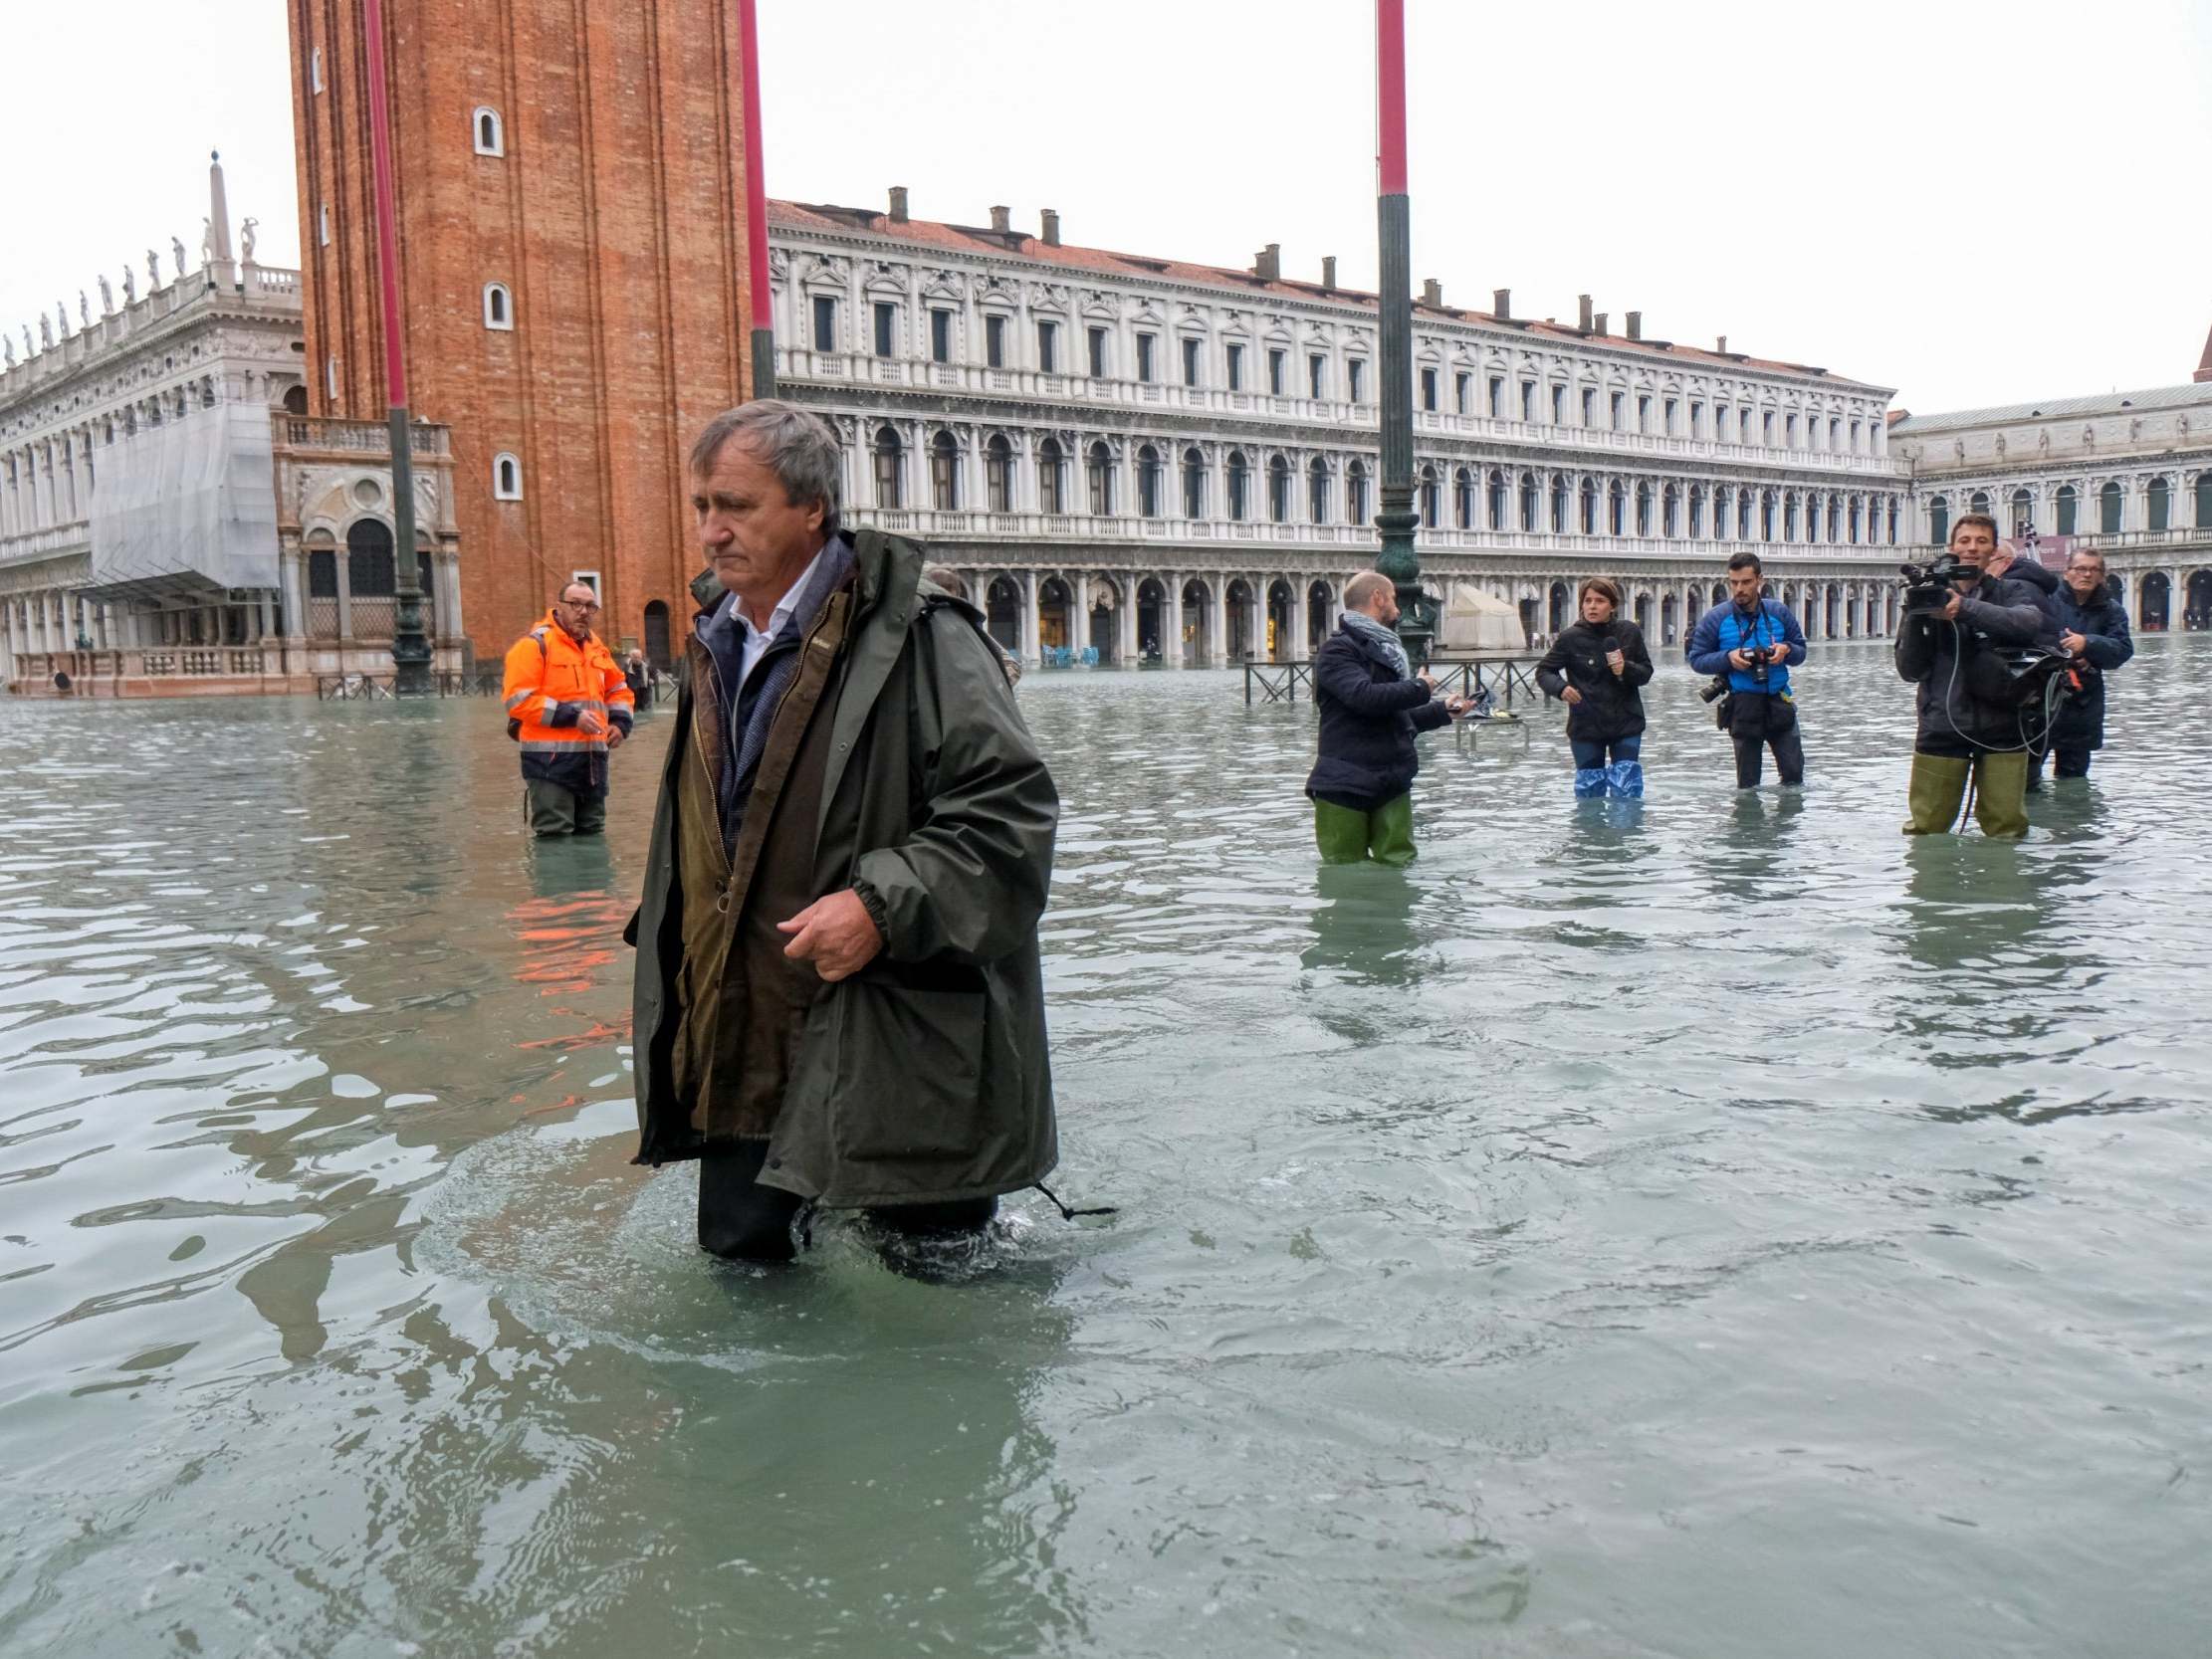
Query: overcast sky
[[1971, 203]]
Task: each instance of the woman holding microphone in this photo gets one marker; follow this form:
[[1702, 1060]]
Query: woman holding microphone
[[1594, 666]]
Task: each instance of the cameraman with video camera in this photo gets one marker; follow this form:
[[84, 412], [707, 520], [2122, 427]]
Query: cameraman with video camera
[[1958, 625], [1754, 642]]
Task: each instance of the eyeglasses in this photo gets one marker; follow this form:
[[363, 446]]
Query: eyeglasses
[[581, 604]]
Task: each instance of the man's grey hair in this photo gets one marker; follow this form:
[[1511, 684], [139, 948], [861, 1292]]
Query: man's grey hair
[[946, 577], [795, 444], [1359, 591]]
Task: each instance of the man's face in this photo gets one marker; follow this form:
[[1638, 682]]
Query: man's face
[[1743, 586], [1974, 544], [575, 610], [2086, 576], [1383, 607], [753, 534]]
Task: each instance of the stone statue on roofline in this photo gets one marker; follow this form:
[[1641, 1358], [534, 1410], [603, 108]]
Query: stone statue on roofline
[[46, 332], [7, 351], [153, 270], [107, 298], [84, 309], [129, 285], [245, 239], [176, 247]]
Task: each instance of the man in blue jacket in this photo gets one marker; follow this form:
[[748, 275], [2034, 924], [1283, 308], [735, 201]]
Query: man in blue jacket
[[1371, 706], [1755, 641], [2094, 632]]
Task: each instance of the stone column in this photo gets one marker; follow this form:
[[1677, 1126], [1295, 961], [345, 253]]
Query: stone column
[[1216, 622], [1295, 648], [1079, 623], [1031, 622], [1171, 622], [1125, 624]]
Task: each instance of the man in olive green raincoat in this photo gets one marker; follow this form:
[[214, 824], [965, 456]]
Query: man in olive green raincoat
[[839, 995]]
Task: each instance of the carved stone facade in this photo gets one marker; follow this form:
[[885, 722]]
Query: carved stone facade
[[145, 464], [1135, 457], [2127, 474]]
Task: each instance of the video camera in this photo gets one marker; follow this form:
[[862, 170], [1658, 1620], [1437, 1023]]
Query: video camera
[[1927, 587]]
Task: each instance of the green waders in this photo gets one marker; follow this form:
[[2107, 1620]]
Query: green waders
[[1939, 790], [556, 811], [1384, 835]]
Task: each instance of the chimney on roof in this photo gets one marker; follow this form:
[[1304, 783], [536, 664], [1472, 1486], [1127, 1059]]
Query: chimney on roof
[[1328, 270], [1721, 345], [1051, 227], [1501, 304], [1598, 324], [1267, 262], [898, 204], [1635, 326], [1432, 292], [1584, 324], [1001, 220]]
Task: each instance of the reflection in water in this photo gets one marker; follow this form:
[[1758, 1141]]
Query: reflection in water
[[1522, 1252]]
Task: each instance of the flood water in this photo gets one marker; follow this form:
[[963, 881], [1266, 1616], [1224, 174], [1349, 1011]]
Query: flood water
[[1710, 1228]]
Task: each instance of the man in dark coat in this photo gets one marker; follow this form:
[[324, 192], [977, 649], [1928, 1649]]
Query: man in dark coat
[[2094, 632], [1970, 725], [1371, 707], [838, 994]]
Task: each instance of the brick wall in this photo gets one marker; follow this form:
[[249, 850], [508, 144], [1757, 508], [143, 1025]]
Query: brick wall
[[616, 218]]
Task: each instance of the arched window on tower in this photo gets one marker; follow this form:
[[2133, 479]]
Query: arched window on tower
[[1589, 507], [1617, 503], [1494, 492], [1431, 498], [2023, 512], [2069, 507], [498, 306], [1644, 506], [1528, 501], [507, 477], [944, 473], [2159, 505], [890, 467], [1979, 503], [370, 579], [998, 474], [1240, 485], [1670, 511], [2204, 499], [1279, 491], [2109, 508], [1148, 481], [1355, 493], [1098, 477], [1697, 511], [490, 132], [1462, 498], [1317, 491], [1939, 520], [1559, 503]]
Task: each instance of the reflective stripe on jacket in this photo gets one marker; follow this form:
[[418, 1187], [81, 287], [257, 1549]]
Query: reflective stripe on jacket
[[551, 680]]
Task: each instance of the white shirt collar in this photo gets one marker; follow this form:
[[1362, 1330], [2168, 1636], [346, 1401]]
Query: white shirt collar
[[757, 640]]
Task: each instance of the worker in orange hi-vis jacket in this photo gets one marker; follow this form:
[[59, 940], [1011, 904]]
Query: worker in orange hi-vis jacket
[[568, 705]]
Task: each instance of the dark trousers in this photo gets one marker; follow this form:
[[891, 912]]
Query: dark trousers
[[1757, 721], [1588, 753], [2073, 762], [555, 810], [742, 1220]]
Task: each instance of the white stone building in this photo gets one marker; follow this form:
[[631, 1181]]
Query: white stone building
[[2129, 473], [170, 521], [1137, 456]]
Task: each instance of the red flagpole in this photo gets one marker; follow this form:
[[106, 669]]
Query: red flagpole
[[756, 209]]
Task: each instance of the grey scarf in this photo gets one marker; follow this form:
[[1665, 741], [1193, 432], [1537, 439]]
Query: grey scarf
[[1381, 640]]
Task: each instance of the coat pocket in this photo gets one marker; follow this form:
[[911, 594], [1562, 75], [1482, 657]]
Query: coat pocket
[[910, 1072]]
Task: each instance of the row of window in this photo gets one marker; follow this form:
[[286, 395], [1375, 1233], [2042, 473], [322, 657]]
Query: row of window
[[1529, 400], [2158, 504], [1674, 509]]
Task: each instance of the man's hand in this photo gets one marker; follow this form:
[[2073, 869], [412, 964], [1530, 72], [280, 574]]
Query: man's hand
[[1457, 706], [1740, 658], [614, 739], [1426, 679], [590, 723], [835, 934], [2074, 644], [1949, 612], [1569, 695]]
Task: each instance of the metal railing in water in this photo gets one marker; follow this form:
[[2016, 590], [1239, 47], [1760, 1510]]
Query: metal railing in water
[[1493, 681], [370, 688]]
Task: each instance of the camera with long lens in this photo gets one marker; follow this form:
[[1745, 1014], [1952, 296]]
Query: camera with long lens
[[1927, 587], [1714, 690]]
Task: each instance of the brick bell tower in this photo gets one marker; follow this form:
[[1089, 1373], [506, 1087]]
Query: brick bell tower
[[571, 182]]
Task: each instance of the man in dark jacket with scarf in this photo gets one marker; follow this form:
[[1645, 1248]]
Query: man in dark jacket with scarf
[[1755, 642], [1970, 724], [1371, 706], [839, 995], [2093, 630]]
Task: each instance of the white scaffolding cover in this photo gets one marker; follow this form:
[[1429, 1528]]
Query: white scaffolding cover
[[187, 506]]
